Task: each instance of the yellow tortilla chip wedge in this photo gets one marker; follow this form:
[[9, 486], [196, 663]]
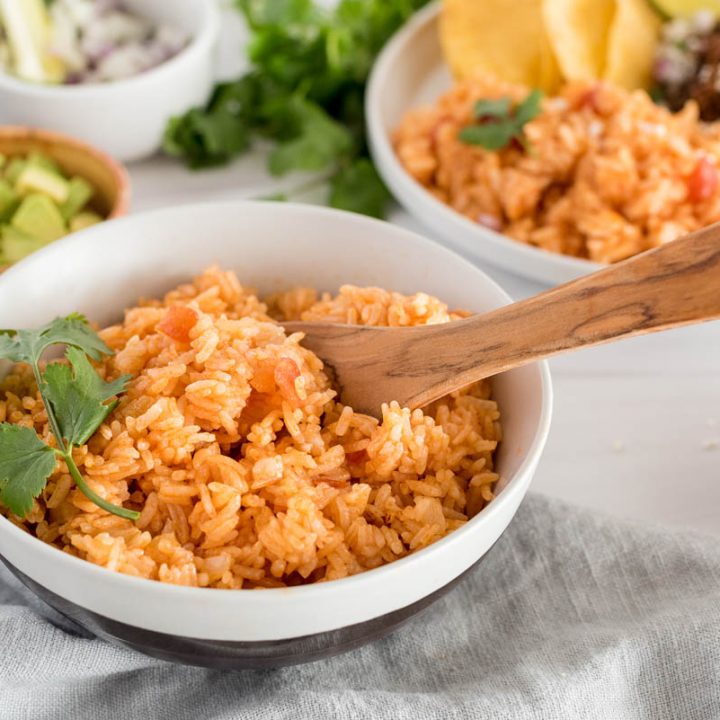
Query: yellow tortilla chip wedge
[[550, 77], [578, 32], [631, 44], [503, 37]]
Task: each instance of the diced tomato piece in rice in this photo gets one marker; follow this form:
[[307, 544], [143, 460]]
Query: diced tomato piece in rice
[[357, 457], [178, 323], [590, 98], [263, 379], [257, 406], [286, 372], [702, 181]]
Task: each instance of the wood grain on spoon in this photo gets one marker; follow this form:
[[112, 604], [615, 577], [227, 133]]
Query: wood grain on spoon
[[676, 284]]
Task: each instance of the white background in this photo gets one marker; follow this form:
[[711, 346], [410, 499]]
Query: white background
[[636, 428]]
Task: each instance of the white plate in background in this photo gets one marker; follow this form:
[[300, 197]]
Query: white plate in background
[[409, 73]]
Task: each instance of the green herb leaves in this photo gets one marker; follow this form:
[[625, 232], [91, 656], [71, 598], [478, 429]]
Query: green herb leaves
[[78, 396], [26, 463], [359, 188], [499, 124], [304, 93], [529, 108], [491, 136], [317, 145], [75, 399], [499, 108], [73, 330]]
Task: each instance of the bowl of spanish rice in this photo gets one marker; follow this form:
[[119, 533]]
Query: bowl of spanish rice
[[274, 525]]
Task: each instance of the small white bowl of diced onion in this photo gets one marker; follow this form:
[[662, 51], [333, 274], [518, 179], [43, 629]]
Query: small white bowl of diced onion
[[110, 72]]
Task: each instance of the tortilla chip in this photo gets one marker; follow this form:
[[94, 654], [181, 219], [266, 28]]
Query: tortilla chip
[[631, 44], [550, 77], [502, 37], [578, 31]]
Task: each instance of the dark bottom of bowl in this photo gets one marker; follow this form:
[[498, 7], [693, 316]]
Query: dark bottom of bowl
[[220, 654]]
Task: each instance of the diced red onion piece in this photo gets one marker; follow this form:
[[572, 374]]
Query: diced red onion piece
[[489, 221]]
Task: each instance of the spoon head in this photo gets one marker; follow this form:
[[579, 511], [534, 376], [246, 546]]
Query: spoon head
[[370, 365]]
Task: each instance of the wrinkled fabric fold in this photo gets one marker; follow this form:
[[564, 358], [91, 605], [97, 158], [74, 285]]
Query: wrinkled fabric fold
[[572, 615]]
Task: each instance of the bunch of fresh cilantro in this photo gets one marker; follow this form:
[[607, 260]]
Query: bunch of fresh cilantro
[[304, 92]]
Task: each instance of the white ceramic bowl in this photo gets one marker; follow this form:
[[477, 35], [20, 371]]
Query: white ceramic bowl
[[272, 246], [126, 118], [410, 73]]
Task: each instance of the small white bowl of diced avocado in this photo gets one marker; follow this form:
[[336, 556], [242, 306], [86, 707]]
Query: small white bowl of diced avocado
[[51, 186]]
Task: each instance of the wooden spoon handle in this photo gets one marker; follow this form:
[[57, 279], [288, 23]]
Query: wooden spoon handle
[[676, 284]]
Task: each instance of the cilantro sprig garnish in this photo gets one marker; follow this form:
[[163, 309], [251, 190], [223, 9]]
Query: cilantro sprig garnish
[[499, 124], [76, 402]]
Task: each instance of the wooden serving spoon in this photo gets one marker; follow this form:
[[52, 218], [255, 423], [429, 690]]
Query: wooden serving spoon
[[676, 284]]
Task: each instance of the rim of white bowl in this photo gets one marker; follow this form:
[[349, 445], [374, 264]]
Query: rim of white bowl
[[161, 591], [410, 192], [202, 40]]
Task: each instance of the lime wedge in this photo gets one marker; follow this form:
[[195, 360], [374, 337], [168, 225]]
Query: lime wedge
[[28, 28], [683, 8]]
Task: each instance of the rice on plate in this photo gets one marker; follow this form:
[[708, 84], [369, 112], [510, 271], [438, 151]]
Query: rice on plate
[[245, 469], [605, 173]]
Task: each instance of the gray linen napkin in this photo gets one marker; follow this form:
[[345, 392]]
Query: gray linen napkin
[[571, 616]]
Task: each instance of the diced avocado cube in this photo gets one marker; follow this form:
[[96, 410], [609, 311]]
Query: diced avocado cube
[[44, 161], [84, 220], [39, 217], [11, 209], [15, 245], [80, 192], [13, 169], [8, 200], [38, 179]]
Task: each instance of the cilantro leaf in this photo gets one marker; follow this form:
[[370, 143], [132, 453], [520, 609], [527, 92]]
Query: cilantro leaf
[[74, 397], [528, 109], [359, 188], [320, 143], [206, 139], [11, 347], [270, 12], [213, 135], [78, 396], [500, 125], [492, 136], [73, 330], [26, 463], [492, 108]]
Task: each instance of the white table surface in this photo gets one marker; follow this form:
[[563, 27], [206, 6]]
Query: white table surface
[[636, 427]]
